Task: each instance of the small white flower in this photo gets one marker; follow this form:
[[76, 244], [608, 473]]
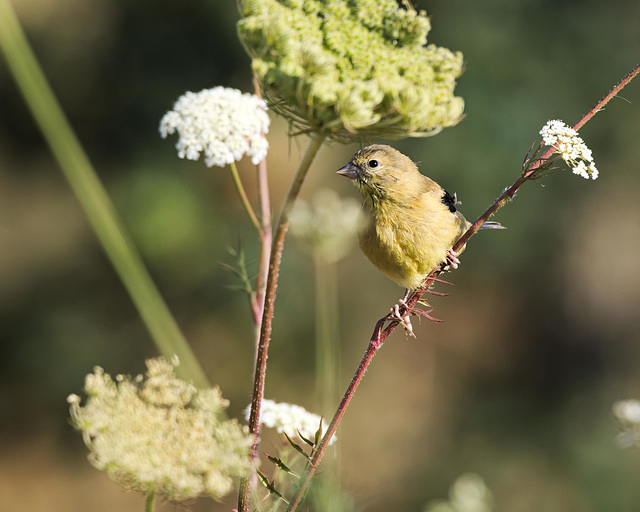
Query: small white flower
[[581, 170], [222, 123], [570, 147], [289, 418]]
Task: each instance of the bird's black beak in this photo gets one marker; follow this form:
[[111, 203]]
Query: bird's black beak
[[349, 170]]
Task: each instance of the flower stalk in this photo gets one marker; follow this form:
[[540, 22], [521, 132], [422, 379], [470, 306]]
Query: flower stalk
[[150, 501], [269, 302], [266, 237], [243, 197], [266, 234]]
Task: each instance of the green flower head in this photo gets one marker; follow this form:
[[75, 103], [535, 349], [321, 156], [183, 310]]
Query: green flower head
[[351, 68]]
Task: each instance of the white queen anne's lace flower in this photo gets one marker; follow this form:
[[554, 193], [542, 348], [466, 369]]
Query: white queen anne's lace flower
[[570, 147], [222, 123], [289, 418]]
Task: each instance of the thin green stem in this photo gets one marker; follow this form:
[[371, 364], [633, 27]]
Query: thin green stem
[[149, 506], [327, 332], [267, 315], [92, 196], [243, 196]]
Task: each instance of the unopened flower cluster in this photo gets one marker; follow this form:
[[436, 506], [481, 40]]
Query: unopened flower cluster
[[289, 418], [160, 434], [328, 225], [222, 123], [570, 147], [352, 67], [627, 412]]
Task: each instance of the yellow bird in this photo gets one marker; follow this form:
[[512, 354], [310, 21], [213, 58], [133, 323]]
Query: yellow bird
[[412, 223]]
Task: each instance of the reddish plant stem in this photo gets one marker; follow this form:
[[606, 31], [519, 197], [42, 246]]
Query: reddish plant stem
[[257, 300], [265, 246], [372, 348], [607, 97], [267, 315], [380, 333], [266, 234]]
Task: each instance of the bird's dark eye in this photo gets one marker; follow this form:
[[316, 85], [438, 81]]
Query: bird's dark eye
[[373, 163]]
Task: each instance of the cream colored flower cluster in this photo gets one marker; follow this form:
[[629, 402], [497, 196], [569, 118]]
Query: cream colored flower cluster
[[160, 434]]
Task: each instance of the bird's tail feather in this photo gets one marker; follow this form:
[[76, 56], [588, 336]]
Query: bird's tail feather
[[492, 225]]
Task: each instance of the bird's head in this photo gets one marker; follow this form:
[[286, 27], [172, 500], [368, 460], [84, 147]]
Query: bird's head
[[380, 172]]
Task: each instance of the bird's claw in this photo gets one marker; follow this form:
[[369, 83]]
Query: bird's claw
[[452, 259], [405, 319]]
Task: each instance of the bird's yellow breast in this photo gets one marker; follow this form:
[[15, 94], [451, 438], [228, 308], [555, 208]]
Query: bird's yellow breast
[[407, 241]]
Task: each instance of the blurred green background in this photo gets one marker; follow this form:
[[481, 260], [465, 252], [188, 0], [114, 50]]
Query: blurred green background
[[540, 335]]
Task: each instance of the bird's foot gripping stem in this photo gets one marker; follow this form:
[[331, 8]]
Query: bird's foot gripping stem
[[453, 259], [404, 319]]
